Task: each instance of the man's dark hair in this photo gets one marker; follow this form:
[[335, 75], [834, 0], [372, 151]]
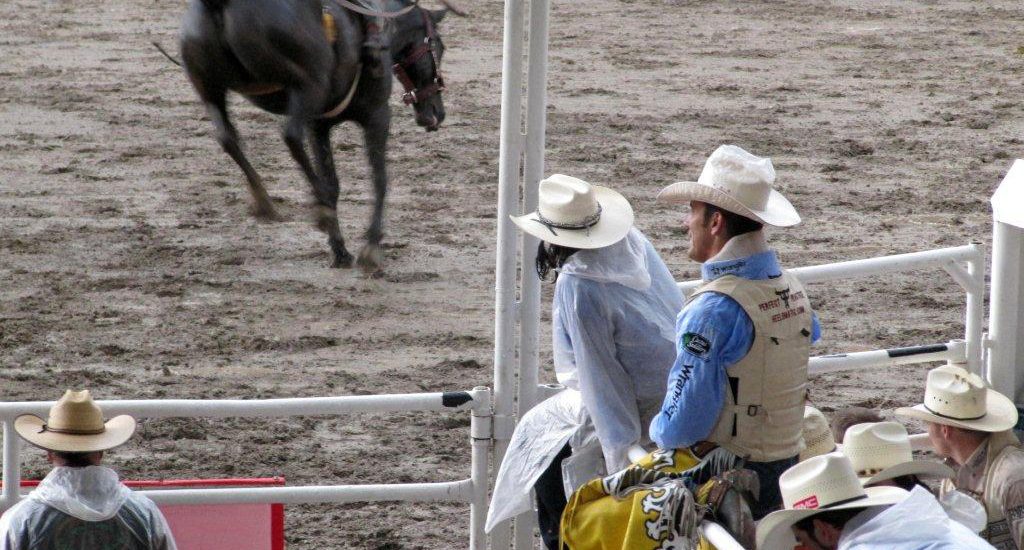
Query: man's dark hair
[[735, 224], [552, 256], [74, 460], [835, 518]]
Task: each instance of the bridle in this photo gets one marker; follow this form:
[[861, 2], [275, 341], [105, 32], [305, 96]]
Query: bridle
[[413, 95]]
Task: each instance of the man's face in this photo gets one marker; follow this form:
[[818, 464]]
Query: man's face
[[825, 537], [700, 233], [939, 443]]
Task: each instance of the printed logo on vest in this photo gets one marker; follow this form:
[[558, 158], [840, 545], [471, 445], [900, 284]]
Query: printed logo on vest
[[696, 344], [809, 503]]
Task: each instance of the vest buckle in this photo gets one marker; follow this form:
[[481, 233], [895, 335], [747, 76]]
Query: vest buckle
[[752, 410]]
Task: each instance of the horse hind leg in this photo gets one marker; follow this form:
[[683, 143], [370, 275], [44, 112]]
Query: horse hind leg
[[326, 208], [262, 207], [325, 187]]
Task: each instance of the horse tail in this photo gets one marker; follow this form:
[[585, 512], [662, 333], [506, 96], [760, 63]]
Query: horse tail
[[215, 5]]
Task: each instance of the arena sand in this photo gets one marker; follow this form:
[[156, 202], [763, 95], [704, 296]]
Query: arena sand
[[129, 263]]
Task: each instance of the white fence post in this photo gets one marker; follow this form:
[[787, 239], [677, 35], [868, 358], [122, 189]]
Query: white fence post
[[12, 466], [506, 313], [1006, 318], [480, 434]]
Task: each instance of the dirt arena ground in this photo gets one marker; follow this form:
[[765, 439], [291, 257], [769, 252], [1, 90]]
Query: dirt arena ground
[[129, 263]]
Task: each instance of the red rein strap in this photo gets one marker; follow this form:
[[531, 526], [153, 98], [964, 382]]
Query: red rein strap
[[412, 95]]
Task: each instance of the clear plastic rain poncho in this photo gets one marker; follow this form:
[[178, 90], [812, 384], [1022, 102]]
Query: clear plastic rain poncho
[[84, 509], [613, 329], [917, 523]]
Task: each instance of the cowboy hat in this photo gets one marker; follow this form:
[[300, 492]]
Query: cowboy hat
[[739, 182], [75, 425], [880, 451], [572, 213], [819, 484], [818, 438], [955, 397]]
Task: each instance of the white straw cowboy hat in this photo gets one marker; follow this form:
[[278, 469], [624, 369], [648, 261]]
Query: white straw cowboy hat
[[955, 397], [75, 425], [739, 182], [573, 213], [820, 484], [880, 451], [818, 437]]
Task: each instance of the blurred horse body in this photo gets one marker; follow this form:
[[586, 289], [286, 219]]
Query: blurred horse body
[[302, 59]]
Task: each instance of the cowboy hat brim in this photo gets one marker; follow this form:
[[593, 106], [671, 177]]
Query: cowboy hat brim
[[615, 221], [778, 211], [116, 432], [774, 533], [921, 468], [1000, 415]]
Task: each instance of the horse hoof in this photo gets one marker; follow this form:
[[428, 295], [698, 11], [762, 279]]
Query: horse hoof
[[265, 213], [342, 262], [370, 260]]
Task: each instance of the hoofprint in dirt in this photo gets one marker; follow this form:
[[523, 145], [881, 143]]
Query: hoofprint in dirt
[[129, 263]]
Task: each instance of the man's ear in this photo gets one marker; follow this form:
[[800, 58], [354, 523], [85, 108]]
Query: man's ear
[[717, 225]]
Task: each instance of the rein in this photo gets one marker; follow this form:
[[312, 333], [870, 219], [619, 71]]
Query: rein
[[413, 95]]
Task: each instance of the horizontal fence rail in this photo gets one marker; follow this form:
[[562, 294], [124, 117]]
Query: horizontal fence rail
[[472, 491], [913, 261]]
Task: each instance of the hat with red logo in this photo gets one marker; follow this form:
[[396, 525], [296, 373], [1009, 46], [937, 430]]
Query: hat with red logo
[[819, 484]]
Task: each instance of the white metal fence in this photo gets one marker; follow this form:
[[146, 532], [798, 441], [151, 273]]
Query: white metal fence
[[472, 491]]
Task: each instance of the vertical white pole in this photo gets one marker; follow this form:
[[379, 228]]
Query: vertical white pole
[[529, 318], [480, 439], [12, 467], [1005, 323], [975, 315], [505, 311]]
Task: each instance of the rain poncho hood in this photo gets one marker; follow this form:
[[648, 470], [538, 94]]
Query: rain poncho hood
[[93, 493], [624, 262], [917, 523], [51, 517]]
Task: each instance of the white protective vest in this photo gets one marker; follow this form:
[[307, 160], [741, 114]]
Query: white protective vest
[[1004, 464], [762, 418]]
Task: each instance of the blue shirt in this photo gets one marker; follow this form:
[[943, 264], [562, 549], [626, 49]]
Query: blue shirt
[[720, 331]]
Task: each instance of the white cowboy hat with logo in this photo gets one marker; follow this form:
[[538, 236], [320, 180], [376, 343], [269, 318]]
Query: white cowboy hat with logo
[[75, 425], [880, 451], [818, 437], [573, 213], [819, 484], [953, 396], [739, 182]]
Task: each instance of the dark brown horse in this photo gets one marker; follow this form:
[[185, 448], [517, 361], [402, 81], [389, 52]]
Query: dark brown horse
[[302, 59]]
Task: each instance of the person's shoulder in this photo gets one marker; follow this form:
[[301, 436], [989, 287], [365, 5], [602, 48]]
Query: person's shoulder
[[711, 305]]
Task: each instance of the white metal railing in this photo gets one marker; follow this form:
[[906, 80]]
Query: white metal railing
[[971, 278], [472, 491]]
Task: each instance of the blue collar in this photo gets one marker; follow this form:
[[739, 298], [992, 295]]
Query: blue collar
[[760, 266]]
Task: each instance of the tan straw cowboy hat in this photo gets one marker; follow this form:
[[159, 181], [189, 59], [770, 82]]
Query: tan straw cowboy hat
[[819, 484], [818, 437], [737, 181], [571, 212], [75, 425], [955, 397], [880, 451]]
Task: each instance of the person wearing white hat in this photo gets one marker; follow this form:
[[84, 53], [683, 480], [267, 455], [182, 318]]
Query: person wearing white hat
[[738, 384], [81, 504], [818, 437], [881, 454], [612, 317], [971, 426], [827, 508]]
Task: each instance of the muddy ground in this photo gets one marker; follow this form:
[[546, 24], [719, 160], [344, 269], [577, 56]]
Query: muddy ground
[[129, 263]]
